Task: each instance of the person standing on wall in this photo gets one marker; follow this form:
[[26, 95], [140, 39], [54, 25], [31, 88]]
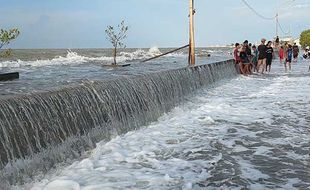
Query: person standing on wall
[[262, 56], [277, 42], [269, 56]]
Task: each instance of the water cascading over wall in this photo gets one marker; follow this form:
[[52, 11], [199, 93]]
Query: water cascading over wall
[[39, 130]]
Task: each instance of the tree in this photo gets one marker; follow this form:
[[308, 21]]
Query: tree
[[116, 37], [305, 38], [6, 36]]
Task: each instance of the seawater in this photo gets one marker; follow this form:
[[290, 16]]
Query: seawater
[[246, 133], [47, 69], [53, 125]]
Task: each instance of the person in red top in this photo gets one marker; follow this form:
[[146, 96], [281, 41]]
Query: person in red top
[[239, 63], [236, 53], [281, 54]]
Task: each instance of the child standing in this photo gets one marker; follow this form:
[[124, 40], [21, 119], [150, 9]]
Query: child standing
[[269, 56], [289, 57]]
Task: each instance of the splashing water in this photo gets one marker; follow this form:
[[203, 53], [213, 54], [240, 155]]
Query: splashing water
[[51, 69], [73, 58], [39, 130], [249, 132]]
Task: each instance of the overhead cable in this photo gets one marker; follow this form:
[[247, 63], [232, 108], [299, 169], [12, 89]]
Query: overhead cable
[[285, 33], [256, 12]]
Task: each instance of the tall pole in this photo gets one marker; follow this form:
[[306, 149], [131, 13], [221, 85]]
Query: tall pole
[[191, 59], [277, 24], [277, 18]]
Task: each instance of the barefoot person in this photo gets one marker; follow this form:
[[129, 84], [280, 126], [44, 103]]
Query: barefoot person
[[281, 54], [239, 65], [289, 58], [269, 56], [262, 55], [236, 53], [245, 62], [295, 52], [254, 58], [247, 46]]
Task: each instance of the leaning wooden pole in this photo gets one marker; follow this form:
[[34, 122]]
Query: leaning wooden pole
[[191, 59], [157, 56]]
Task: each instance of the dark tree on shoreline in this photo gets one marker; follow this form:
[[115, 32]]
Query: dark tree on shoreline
[[6, 36], [116, 37]]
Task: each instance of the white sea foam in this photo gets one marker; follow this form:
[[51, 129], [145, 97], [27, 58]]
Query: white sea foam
[[233, 136], [73, 58]]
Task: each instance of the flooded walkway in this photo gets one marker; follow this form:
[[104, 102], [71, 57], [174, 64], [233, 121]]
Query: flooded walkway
[[249, 132]]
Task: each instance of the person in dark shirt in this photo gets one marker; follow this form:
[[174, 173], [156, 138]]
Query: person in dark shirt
[[262, 55], [244, 62], [289, 58], [277, 42], [238, 60], [244, 56], [295, 52], [254, 58], [247, 48], [269, 56]]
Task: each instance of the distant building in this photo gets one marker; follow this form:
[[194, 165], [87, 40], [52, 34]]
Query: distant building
[[287, 39]]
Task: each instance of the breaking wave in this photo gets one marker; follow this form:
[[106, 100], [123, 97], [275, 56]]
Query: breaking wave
[[73, 58]]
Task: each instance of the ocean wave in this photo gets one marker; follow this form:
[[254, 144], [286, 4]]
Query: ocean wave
[[73, 58]]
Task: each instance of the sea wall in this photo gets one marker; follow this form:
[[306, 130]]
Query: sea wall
[[40, 130]]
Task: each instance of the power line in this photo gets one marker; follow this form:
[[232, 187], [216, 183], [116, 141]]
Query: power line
[[257, 13], [285, 33], [268, 18]]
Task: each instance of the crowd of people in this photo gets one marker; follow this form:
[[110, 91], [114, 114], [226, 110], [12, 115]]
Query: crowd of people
[[259, 59]]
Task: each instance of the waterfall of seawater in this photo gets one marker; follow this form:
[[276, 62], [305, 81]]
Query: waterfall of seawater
[[39, 130]]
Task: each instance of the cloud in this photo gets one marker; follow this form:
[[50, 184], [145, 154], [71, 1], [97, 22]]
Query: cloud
[[295, 12], [302, 6]]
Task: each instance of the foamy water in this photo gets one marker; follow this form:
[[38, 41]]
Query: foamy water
[[43, 70], [73, 58], [28, 58], [250, 132]]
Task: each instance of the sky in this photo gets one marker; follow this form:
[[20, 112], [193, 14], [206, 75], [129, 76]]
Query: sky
[[161, 23]]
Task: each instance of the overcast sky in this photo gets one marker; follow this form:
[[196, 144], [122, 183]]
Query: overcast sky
[[162, 23]]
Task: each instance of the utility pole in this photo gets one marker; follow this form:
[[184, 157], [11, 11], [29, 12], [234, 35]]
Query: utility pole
[[277, 24], [191, 56]]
